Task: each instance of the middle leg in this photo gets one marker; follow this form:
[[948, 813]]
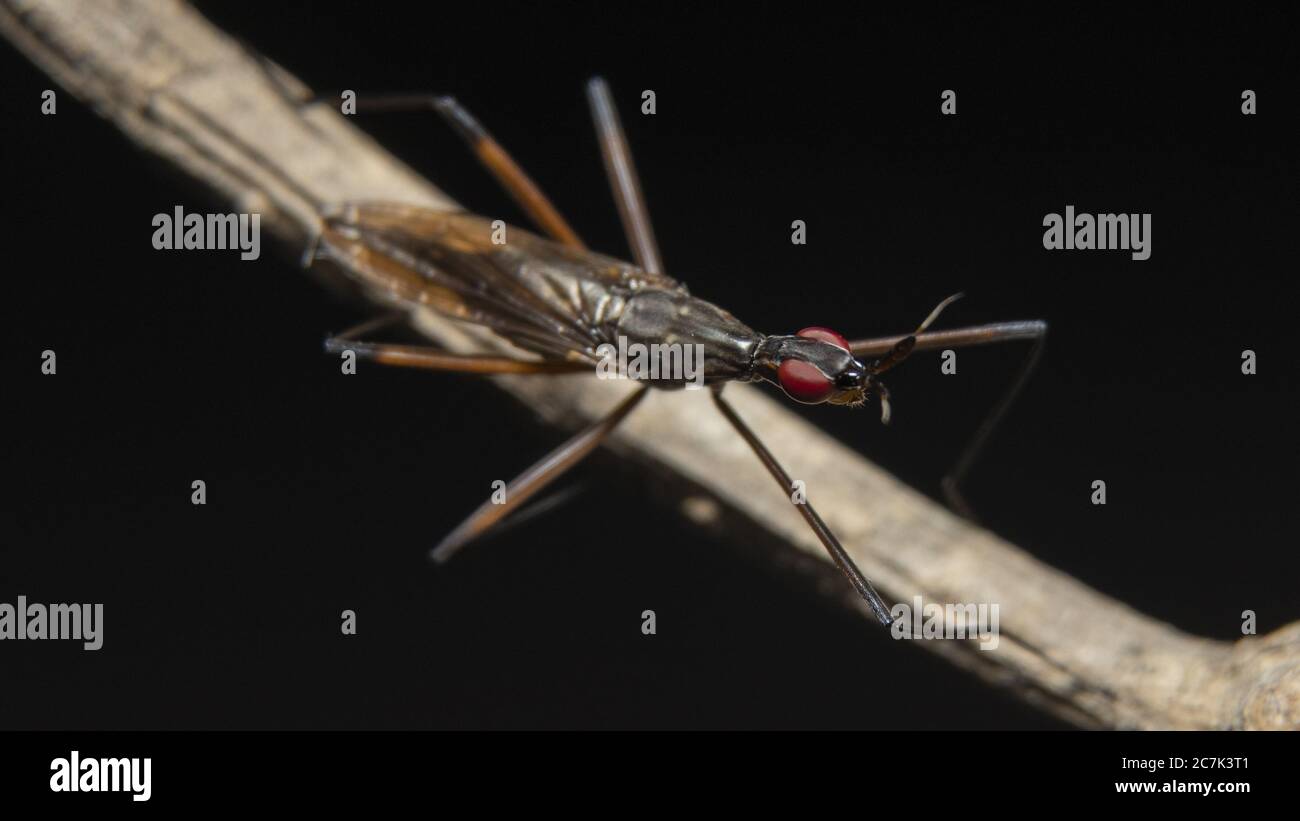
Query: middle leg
[[524, 486]]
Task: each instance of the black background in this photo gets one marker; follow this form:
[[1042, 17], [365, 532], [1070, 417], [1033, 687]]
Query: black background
[[324, 493]]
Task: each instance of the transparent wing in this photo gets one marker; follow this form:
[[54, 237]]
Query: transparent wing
[[548, 298]]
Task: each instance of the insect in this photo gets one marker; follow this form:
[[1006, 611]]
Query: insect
[[560, 302]]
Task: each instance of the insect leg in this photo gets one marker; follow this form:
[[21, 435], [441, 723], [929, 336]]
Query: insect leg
[[904, 347], [542, 506], [955, 338], [951, 483], [622, 177], [1035, 330], [420, 356], [833, 546], [551, 467], [494, 158]]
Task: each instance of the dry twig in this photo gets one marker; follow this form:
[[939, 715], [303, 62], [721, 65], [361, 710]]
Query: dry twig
[[180, 88]]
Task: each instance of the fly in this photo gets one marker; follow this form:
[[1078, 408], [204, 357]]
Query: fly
[[560, 302]]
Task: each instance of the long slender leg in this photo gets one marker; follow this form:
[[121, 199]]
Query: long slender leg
[[522, 487], [951, 483], [623, 178], [543, 505], [496, 159], [419, 356], [833, 546], [954, 338], [1034, 330], [904, 347]]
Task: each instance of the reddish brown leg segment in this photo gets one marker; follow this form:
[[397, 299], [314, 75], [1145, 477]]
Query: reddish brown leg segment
[[494, 158], [420, 356], [551, 467]]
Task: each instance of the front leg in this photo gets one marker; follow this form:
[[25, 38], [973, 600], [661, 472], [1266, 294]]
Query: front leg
[[1034, 330]]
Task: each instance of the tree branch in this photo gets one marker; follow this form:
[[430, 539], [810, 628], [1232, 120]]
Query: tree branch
[[180, 88]]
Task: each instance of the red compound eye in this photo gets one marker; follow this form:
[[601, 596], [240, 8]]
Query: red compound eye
[[802, 381], [825, 335]]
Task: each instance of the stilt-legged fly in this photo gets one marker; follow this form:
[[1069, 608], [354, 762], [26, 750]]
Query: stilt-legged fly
[[561, 303]]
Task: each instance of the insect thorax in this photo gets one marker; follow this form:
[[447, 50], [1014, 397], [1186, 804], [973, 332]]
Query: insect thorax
[[702, 333]]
